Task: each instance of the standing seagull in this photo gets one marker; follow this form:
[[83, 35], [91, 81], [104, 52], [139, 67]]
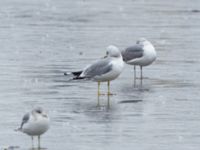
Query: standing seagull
[[103, 70], [141, 54], [35, 123]]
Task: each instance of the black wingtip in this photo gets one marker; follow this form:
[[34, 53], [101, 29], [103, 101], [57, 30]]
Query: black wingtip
[[77, 73], [78, 78]]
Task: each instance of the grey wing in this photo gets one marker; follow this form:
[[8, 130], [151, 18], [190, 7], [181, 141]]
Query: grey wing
[[25, 119], [132, 52], [99, 68]]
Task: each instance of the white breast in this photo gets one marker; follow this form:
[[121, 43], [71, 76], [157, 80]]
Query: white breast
[[36, 127], [149, 55]]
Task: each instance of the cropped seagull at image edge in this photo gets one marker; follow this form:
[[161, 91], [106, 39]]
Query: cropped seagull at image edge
[[35, 123], [141, 54], [103, 70]]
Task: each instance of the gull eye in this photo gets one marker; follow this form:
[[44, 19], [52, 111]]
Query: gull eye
[[107, 53], [39, 111]]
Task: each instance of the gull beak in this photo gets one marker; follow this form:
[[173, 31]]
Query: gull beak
[[105, 56], [44, 115]]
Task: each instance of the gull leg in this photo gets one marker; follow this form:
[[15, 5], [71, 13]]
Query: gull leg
[[38, 142], [32, 142], [134, 72], [109, 88], [108, 96], [141, 75], [98, 93], [109, 93], [108, 101], [134, 75], [98, 101]]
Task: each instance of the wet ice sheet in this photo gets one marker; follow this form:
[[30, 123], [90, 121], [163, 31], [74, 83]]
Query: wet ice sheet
[[42, 39]]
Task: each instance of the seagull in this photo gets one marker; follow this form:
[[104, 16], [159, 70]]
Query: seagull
[[141, 54], [103, 70], [35, 123]]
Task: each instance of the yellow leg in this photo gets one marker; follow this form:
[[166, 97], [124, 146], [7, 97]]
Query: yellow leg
[[109, 88], [98, 100], [109, 93], [108, 101]]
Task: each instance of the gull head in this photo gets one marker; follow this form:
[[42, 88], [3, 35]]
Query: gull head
[[142, 41], [40, 112], [113, 51]]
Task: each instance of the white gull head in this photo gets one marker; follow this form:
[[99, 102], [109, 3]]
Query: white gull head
[[143, 41], [113, 51]]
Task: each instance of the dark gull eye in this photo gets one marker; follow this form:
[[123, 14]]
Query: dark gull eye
[[39, 111]]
